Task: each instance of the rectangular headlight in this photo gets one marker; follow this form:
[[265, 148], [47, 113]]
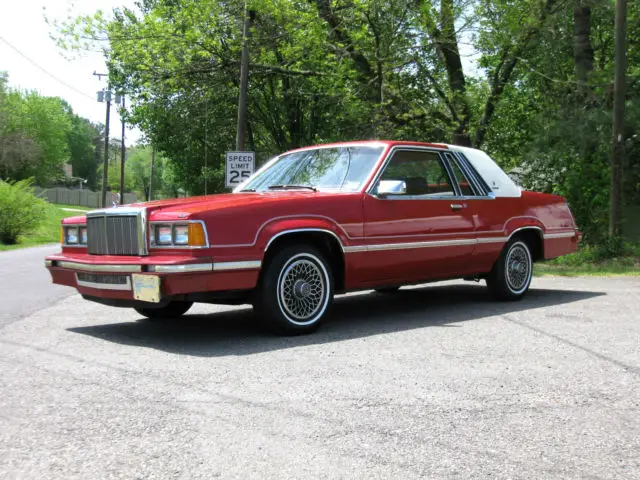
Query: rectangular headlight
[[72, 236], [83, 235], [164, 234], [181, 234]]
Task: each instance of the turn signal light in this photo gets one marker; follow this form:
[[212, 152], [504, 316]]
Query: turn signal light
[[197, 237]]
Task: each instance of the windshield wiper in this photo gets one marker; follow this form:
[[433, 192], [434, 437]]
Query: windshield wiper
[[248, 190], [291, 187]]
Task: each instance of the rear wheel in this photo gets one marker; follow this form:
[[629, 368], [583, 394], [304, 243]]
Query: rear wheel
[[511, 275], [171, 310], [295, 292]]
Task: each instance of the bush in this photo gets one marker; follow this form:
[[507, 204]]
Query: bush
[[594, 254], [21, 212]]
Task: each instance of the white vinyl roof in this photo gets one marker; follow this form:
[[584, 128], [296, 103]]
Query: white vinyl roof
[[499, 182]]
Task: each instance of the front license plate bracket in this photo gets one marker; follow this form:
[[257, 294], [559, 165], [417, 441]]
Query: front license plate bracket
[[146, 288]]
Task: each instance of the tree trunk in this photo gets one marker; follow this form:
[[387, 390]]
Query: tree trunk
[[582, 50]]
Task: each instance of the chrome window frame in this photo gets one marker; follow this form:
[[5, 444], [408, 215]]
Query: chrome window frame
[[438, 151], [178, 247], [464, 162]]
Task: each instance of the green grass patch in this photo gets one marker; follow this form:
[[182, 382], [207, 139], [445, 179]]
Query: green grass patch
[[75, 207], [47, 232], [598, 260]]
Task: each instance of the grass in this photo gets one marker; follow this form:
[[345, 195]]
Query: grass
[[48, 232], [594, 261], [74, 207]]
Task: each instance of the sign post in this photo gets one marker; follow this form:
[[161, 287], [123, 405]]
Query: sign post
[[240, 166]]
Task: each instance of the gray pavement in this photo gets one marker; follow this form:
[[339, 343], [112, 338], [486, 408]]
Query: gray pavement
[[434, 382], [25, 285]]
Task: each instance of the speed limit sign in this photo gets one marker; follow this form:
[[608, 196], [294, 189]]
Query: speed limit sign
[[240, 166]]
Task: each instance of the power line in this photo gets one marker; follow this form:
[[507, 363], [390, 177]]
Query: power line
[[45, 71]]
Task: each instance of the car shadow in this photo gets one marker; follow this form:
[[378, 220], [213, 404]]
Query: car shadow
[[237, 332]]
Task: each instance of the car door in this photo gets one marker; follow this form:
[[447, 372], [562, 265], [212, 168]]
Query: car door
[[422, 230]]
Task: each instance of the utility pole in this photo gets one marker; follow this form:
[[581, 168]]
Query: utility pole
[[105, 95], [617, 159], [122, 156], [244, 81], [153, 161]]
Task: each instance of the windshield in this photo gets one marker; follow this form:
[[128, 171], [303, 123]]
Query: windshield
[[343, 169]]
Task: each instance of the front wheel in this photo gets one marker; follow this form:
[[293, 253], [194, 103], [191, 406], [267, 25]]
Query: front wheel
[[295, 292], [170, 310], [511, 275]]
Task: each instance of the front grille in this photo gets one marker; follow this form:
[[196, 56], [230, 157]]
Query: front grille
[[103, 282], [103, 279], [113, 235]]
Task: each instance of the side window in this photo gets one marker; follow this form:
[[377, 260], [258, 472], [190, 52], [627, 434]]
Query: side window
[[463, 182], [422, 172]]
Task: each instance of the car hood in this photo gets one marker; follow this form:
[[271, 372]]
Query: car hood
[[186, 207]]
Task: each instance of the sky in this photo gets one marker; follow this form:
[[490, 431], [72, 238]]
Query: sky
[[23, 29]]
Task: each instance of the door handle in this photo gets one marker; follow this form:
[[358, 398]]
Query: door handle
[[457, 206]]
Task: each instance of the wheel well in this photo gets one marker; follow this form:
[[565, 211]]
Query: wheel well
[[533, 238], [325, 242]]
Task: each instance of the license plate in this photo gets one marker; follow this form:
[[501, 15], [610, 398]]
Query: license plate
[[146, 287]]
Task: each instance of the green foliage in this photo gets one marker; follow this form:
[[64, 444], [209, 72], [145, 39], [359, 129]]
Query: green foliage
[[330, 70], [84, 156], [21, 212], [38, 135]]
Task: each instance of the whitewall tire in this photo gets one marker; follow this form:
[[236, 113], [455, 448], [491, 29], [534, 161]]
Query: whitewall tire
[[512, 273], [295, 291]]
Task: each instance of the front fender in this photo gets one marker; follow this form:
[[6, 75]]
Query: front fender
[[280, 227]]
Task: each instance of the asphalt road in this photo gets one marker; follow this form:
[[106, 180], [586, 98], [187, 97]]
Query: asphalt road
[[434, 382], [25, 284]]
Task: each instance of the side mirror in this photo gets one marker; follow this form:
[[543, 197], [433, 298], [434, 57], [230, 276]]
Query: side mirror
[[391, 187]]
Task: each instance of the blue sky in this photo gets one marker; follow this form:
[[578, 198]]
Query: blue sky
[[23, 27]]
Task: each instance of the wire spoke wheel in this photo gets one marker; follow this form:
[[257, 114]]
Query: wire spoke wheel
[[302, 289], [518, 268]]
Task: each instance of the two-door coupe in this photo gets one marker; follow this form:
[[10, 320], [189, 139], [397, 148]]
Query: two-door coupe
[[314, 222]]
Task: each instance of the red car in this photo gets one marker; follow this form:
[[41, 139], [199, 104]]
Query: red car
[[315, 222]]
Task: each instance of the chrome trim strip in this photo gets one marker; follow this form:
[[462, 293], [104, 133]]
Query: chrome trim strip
[[180, 222], [528, 227], [551, 236], [412, 245], [143, 247], [115, 211], [185, 268], [493, 240], [243, 265], [88, 267], [104, 286], [285, 232], [356, 249]]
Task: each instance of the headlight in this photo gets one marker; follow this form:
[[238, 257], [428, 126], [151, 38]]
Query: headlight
[[72, 236], [164, 235], [181, 235], [190, 234]]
